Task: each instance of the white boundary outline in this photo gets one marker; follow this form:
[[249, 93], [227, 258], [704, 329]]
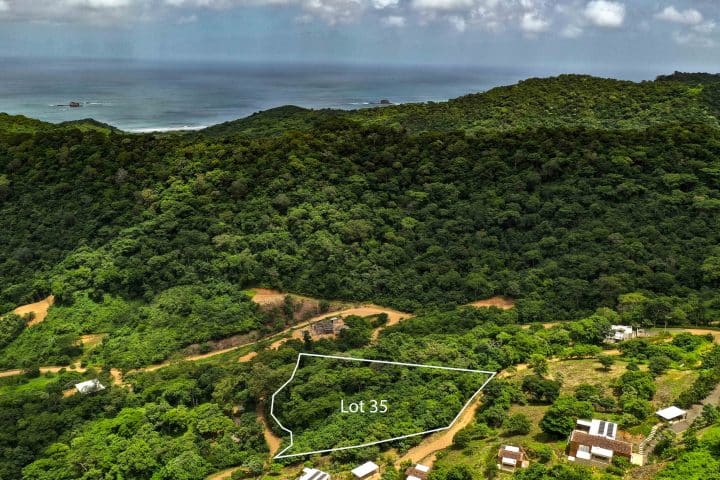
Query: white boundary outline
[[297, 365]]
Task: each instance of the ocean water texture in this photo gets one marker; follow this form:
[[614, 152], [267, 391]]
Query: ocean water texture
[[145, 96]]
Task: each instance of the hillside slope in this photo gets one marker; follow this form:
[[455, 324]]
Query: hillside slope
[[559, 102]]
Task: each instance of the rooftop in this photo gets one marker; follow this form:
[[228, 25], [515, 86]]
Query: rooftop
[[90, 386], [671, 413], [604, 443], [596, 427], [365, 469], [314, 474]]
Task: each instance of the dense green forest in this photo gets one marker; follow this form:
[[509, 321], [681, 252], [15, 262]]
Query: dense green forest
[[591, 201]]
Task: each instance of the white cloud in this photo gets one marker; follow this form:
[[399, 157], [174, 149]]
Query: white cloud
[[97, 3], [571, 31], [187, 19], [458, 22], [4, 7], [531, 22], [447, 5], [684, 17], [394, 21], [693, 39], [705, 28], [605, 13], [382, 4]]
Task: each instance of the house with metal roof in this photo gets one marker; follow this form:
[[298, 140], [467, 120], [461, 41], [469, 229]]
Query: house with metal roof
[[90, 386], [417, 472], [510, 458], [314, 474], [366, 470], [672, 414], [594, 442], [619, 333]]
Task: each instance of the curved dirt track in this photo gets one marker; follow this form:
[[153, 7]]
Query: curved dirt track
[[425, 452], [40, 309]]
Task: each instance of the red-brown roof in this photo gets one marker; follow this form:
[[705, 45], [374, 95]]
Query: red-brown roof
[[510, 454], [617, 446]]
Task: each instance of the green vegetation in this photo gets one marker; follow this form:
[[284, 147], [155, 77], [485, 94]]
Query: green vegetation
[[395, 401], [589, 201]]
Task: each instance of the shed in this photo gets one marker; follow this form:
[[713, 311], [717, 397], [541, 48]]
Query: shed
[[366, 470], [90, 386], [418, 472], [672, 414], [314, 474]]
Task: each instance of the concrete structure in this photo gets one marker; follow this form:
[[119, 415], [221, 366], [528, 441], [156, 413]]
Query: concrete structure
[[418, 472], [619, 333], [672, 414], [594, 442], [90, 386], [510, 458], [366, 470], [314, 474]]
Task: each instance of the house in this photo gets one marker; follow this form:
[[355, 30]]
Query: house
[[90, 386], [366, 470], [418, 472], [324, 327], [328, 326], [672, 414], [314, 474], [510, 458], [619, 333], [594, 442]]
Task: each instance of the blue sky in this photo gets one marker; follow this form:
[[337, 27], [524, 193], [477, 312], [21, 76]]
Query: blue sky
[[587, 35]]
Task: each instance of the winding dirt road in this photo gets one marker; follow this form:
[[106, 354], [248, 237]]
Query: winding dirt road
[[426, 451]]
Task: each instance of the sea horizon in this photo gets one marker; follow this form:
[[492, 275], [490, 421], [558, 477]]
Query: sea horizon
[[158, 96]]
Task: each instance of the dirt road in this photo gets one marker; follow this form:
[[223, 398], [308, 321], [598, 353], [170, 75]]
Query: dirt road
[[425, 452], [271, 439], [40, 309]]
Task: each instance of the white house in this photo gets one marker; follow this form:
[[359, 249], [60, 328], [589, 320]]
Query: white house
[[90, 386], [672, 414], [594, 442], [418, 472], [366, 470], [619, 333], [314, 474]]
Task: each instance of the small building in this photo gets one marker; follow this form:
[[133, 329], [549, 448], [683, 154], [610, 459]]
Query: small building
[[314, 474], [594, 442], [619, 333], [418, 472], [672, 414], [328, 326], [510, 458], [366, 470], [90, 386]]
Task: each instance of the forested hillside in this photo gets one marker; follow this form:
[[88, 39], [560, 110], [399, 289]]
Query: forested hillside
[[569, 195]]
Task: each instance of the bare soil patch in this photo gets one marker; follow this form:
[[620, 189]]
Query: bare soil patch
[[69, 392], [504, 303], [247, 357], [39, 309], [92, 339], [271, 439], [303, 307]]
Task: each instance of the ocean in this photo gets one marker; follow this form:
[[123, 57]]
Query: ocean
[[142, 96]]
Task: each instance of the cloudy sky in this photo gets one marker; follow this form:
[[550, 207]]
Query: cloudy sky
[[582, 34]]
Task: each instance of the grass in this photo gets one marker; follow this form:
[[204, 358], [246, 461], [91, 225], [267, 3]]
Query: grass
[[38, 383], [671, 384]]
